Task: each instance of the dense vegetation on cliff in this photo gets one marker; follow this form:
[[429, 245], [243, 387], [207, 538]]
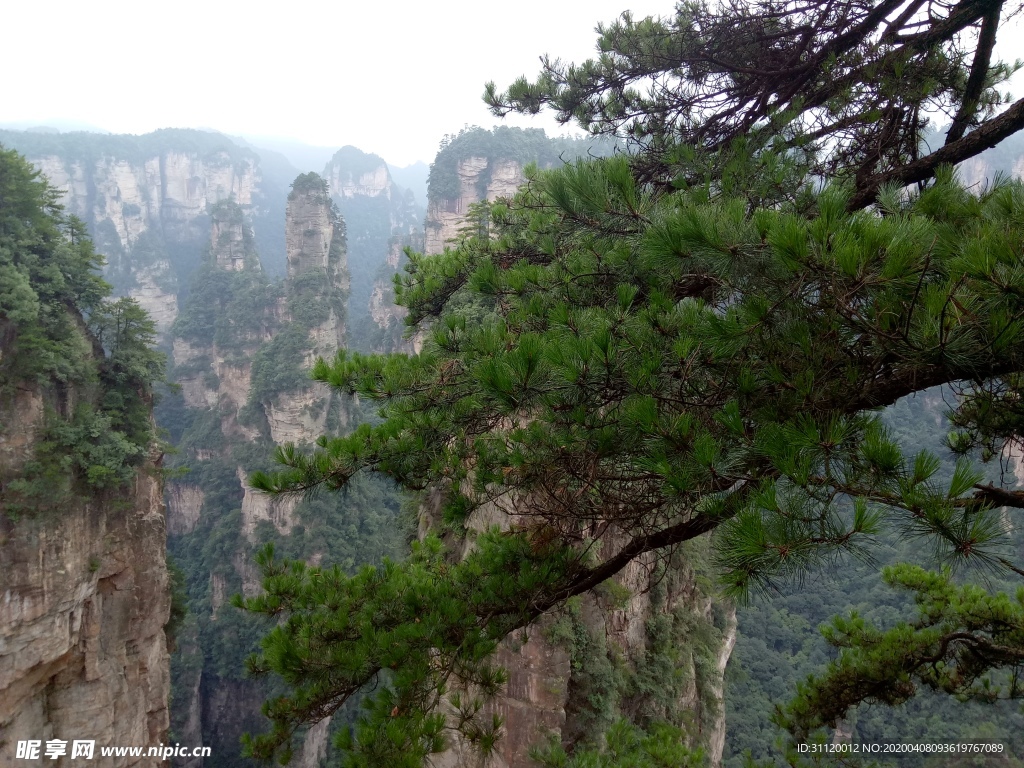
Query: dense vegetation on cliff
[[689, 340], [61, 332], [531, 145]]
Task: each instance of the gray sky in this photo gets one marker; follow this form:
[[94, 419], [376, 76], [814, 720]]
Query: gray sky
[[389, 76]]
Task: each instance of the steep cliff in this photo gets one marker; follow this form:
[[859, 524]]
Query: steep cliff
[[83, 654], [382, 218], [354, 173], [146, 200], [479, 164], [388, 331], [314, 312], [477, 178], [181, 217], [84, 598], [243, 345]]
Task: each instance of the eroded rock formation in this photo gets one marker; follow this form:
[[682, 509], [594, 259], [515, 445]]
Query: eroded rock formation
[[83, 604], [479, 178], [242, 347], [383, 218]]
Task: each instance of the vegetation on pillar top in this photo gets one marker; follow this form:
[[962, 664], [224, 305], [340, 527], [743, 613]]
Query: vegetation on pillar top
[[354, 162], [311, 184]]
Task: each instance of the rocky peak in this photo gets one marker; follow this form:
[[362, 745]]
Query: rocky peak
[[311, 223], [231, 240], [354, 173], [479, 178]]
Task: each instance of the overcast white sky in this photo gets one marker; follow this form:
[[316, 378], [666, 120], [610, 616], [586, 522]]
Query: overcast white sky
[[389, 76]]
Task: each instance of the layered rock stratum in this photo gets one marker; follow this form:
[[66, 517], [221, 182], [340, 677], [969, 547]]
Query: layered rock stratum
[[83, 604]]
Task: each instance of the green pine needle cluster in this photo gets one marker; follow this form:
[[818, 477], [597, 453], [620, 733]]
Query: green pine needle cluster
[[965, 642]]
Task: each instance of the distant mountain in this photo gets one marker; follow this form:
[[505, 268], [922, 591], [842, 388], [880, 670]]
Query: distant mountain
[[51, 126], [413, 177]]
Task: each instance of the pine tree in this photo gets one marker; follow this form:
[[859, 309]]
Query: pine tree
[[642, 350], [847, 86]]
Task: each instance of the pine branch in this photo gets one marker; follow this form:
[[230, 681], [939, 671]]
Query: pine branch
[[979, 74], [984, 137], [999, 497]]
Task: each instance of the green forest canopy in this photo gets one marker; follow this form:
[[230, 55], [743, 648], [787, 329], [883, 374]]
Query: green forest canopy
[[688, 338]]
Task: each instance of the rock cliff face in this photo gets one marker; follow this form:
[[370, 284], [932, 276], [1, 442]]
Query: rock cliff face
[[214, 367], [83, 603], [166, 191], [479, 178], [389, 333], [315, 243], [382, 307], [347, 182], [310, 225], [382, 219], [650, 643], [184, 502], [982, 170]]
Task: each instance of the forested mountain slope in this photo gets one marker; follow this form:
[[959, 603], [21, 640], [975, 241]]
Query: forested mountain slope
[[779, 644]]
